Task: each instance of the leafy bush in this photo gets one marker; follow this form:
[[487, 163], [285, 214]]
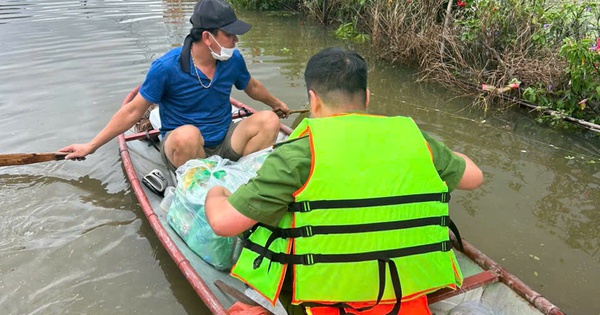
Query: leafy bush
[[266, 5], [551, 46], [572, 30], [348, 31], [583, 59]]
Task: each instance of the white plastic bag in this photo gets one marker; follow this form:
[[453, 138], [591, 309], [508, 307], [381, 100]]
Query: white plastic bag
[[187, 216], [471, 308]]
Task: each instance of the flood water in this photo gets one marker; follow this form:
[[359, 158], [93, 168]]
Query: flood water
[[74, 240]]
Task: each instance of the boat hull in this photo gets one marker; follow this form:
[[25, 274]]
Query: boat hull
[[486, 282]]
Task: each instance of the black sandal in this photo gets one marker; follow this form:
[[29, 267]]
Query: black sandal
[[156, 182]]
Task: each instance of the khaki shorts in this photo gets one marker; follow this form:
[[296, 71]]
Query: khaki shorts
[[223, 149]]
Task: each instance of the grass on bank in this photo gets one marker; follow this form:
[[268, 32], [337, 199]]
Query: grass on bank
[[543, 53]]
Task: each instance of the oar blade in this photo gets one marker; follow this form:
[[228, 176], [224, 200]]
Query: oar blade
[[30, 158]]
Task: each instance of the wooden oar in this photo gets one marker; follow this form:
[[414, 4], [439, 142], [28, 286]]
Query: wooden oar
[[235, 293], [30, 158], [154, 132], [295, 111]]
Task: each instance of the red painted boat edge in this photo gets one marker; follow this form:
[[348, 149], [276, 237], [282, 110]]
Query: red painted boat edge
[[518, 286], [189, 273]]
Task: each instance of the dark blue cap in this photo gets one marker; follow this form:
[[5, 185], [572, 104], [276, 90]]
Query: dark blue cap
[[217, 14]]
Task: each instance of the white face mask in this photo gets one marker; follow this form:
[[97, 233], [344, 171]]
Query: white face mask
[[226, 53]]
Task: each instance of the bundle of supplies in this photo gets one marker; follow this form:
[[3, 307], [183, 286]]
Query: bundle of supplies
[[186, 214]]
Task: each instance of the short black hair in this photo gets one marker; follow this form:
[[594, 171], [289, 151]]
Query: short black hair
[[196, 33], [337, 75]]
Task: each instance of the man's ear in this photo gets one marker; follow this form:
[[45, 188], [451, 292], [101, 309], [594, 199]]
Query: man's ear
[[314, 103], [206, 38], [367, 99]]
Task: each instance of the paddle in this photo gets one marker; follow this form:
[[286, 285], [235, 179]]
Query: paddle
[[300, 118], [154, 132], [235, 293], [30, 158], [294, 111]]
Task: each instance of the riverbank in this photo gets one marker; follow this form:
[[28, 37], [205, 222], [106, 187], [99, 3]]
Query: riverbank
[[543, 55]]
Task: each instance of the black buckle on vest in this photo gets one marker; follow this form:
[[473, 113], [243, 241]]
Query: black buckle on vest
[[445, 197], [302, 231], [444, 222], [305, 206], [307, 259], [446, 246], [302, 206], [257, 261], [307, 231]]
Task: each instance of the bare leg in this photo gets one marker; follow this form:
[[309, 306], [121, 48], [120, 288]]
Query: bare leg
[[183, 144], [255, 133]]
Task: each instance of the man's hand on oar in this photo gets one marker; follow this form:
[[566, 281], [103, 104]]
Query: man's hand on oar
[[77, 151], [282, 114]]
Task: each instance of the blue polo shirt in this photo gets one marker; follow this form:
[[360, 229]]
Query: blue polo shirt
[[183, 101]]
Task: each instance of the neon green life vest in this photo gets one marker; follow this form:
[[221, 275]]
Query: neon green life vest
[[373, 202]]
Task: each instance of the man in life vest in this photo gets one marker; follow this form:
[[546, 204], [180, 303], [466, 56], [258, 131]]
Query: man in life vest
[[350, 215]]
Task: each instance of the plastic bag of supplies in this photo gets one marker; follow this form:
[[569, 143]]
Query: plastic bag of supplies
[[187, 216]]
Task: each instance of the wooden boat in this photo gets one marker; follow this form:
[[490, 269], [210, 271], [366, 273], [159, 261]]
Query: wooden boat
[[485, 282]]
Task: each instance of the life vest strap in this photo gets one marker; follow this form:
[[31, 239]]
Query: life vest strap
[[381, 263], [454, 230], [310, 230], [306, 206], [310, 259]]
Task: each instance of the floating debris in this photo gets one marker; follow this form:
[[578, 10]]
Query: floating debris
[[534, 257]]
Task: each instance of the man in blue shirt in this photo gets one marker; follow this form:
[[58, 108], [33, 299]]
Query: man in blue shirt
[[192, 85]]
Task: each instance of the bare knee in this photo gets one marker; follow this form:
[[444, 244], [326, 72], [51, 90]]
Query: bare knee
[[184, 143], [268, 120], [256, 133], [185, 137]]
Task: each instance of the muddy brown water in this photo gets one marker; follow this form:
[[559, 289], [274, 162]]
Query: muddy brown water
[[73, 238]]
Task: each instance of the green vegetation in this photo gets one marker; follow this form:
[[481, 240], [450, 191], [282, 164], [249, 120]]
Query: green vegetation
[[348, 31], [265, 5], [549, 48]]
